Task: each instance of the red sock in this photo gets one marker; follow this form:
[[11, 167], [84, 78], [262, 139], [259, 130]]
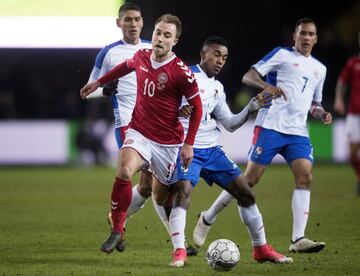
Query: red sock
[[355, 162], [120, 202]]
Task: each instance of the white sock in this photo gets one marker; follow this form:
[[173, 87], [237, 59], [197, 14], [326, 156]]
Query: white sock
[[137, 202], [300, 207], [252, 218], [219, 204], [177, 227], [162, 215]]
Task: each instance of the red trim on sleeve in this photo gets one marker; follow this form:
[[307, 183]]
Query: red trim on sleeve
[[195, 119]]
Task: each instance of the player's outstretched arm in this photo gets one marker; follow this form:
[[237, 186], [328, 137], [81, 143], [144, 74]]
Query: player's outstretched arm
[[253, 78], [89, 88], [234, 121]]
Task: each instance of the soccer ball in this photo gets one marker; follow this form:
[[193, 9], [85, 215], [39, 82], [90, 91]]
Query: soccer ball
[[223, 255]]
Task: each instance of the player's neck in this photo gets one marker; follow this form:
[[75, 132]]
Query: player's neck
[[158, 58], [131, 41]]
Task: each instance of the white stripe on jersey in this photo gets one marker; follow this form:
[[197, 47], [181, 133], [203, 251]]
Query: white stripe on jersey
[[301, 78], [110, 56]]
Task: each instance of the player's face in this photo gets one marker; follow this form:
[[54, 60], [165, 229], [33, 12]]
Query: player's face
[[213, 58], [305, 38], [163, 40], [131, 24]]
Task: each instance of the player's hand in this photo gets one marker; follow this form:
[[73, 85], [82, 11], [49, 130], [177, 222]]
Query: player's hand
[[186, 156], [326, 118], [89, 88], [263, 99], [274, 91], [339, 106], [110, 88], [185, 111]]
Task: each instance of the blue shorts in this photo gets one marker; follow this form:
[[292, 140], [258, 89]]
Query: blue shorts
[[212, 165], [267, 143]]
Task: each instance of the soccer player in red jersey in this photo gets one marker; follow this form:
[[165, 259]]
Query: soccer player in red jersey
[[155, 132], [350, 77]]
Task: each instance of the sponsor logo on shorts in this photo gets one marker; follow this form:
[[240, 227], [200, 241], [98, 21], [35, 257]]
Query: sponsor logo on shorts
[[128, 141]]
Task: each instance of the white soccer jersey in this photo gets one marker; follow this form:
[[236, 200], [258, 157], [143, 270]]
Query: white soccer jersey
[[110, 56], [301, 78], [214, 104]]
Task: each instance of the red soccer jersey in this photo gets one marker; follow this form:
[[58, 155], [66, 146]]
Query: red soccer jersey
[[350, 75], [160, 90]]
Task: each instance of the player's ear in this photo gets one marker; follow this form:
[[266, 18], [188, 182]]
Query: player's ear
[[294, 35], [176, 41], [118, 22], [202, 53]]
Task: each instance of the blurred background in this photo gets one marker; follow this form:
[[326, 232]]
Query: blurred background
[[48, 48]]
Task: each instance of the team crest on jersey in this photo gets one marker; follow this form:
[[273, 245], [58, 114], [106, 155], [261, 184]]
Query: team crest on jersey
[[163, 78], [258, 150], [216, 95]]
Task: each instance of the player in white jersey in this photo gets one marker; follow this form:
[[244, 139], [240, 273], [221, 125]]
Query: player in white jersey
[[155, 132], [131, 22], [210, 161], [281, 128]]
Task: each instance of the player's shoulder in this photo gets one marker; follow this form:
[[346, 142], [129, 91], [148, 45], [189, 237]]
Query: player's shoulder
[[145, 43], [181, 66], [278, 51], [318, 63], [106, 50], [143, 52], [112, 46]]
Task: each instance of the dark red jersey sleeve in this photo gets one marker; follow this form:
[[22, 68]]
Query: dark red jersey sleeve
[[195, 119]]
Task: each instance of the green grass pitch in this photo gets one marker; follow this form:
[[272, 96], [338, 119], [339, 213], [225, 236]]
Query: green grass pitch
[[53, 221]]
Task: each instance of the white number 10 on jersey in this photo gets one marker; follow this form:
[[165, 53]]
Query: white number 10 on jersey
[[149, 88]]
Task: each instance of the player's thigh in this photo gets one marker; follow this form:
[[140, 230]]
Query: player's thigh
[[192, 174], [135, 154], [253, 172], [352, 128], [266, 144], [145, 183], [298, 147], [163, 163], [160, 192], [240, 189], [219, 168]]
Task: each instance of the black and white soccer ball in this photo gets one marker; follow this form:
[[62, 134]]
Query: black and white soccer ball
[[223, 255]]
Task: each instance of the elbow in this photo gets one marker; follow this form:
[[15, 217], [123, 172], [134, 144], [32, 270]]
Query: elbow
[[245, 79]]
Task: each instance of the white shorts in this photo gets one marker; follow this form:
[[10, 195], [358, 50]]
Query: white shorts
[[161, 159], [352, 126]]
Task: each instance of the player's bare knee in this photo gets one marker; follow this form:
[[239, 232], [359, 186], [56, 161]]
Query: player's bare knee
[[124, 173], [252, 180], [304, 180]]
